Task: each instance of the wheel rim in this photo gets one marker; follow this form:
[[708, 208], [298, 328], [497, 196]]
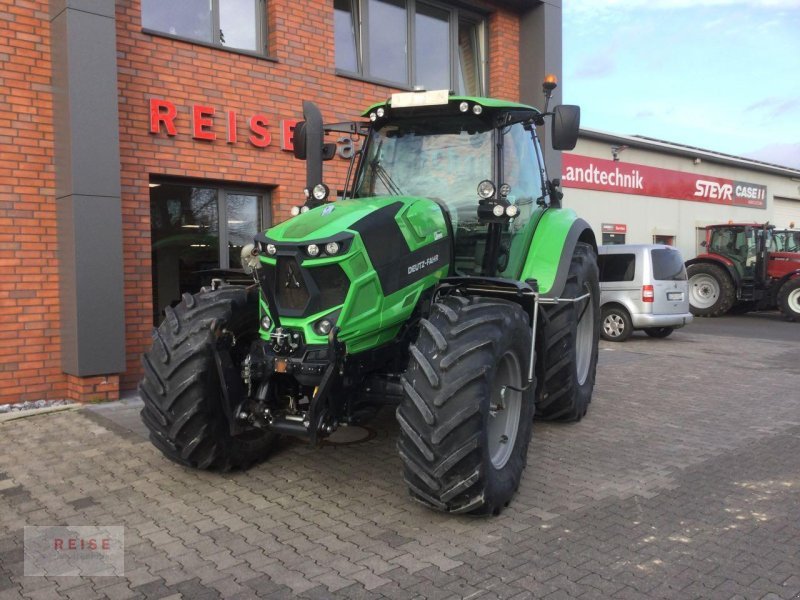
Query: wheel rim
[[794, 301], [613, 325], [504, 411], [703, 291], [584, 336]]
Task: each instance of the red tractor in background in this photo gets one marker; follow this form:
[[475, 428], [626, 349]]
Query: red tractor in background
[[744, 269]]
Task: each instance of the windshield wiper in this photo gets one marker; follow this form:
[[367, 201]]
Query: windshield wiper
[[386, 179]]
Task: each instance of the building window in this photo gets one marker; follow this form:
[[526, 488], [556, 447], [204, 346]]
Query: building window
[[232, 24], [668, 240], [613, 239], [188, 244], [409, 43]]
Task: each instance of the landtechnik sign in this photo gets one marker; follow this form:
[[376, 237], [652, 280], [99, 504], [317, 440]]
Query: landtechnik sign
[[584, 172]]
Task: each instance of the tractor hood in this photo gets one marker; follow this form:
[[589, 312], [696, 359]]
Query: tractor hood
[[361, 264], [419, 220]]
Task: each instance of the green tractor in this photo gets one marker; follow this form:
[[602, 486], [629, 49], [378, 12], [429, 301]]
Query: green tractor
[[447, 282]]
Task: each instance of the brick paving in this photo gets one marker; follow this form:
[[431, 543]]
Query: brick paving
[[682, 482]]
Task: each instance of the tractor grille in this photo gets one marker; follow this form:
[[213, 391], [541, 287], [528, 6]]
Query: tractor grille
[[299, 291], [290, 288]]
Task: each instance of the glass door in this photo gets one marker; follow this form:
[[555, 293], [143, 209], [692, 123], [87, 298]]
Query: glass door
[[196, 230]]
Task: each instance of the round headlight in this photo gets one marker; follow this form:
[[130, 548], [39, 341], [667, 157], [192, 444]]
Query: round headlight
[[271, 249], [498, 210], [485, 189], [477, 109], [266, 322], [321, 191], [512, 211], [372, 116], [304, 209], [312, 250], [332, 247], [505, 190], [323, 327], [380, 112], [295, 211], [463, 107]]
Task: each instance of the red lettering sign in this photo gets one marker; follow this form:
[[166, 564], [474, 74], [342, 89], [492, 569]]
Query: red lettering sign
[[584, 172], [162, 111], [260, 137], [203, 126], [201, 118], [287, 131], [232, 127]]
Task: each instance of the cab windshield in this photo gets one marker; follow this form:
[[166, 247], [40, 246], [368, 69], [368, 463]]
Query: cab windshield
[[445, 159]]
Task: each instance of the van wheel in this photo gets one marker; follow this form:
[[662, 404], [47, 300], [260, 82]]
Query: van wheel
[[659, 332], [617, 325]]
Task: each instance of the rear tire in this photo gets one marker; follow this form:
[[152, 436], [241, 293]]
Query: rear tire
[[616, 324], [789, 299], [463, 446], [711, 292], [659, 332], [181, 388], [569, 336]]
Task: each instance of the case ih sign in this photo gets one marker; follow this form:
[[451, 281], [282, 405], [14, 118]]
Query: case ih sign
[[588, 173]]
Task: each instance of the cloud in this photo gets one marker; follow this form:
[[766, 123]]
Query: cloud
[[775, 107], [786, 155], [595, 67]]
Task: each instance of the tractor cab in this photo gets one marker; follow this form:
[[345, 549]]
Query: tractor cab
[[479, 159], [743, 245]]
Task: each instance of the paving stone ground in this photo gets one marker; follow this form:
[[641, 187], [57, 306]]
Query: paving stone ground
[[682, 482]]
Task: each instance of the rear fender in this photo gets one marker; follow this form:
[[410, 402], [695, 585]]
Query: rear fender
[[552, 247]]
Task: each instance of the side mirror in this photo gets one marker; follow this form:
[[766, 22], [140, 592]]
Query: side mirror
[[565, 126], [299, 144], [299, 140]]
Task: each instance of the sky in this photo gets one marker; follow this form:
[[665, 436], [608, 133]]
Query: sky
[[722, 75]]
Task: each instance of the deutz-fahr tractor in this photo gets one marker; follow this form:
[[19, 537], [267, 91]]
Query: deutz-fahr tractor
[[745, 268], [446, 281]]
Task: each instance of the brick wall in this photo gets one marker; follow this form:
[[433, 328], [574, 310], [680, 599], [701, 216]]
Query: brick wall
[[30, 359], [301, 41]]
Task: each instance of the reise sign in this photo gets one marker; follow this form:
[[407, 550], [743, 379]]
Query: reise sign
[[584, 172], [209, 124]]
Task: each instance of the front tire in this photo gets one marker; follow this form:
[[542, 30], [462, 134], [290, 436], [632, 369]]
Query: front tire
[[617, 326], [181, 388], [569, 337], [462, 441], [711, 292], [789, 299]]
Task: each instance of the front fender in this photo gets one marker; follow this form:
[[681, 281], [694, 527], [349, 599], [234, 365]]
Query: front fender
[[552, 247]]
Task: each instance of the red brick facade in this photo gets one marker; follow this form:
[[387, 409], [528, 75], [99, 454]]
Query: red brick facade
[[301, 44]]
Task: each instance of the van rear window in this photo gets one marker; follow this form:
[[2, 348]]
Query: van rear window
[[668, 265], [616, 267]]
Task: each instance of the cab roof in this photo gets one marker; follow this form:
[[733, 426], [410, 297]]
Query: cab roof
[[416, 103]]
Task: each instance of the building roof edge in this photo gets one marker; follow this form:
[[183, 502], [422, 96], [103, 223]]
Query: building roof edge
[[648, 143]]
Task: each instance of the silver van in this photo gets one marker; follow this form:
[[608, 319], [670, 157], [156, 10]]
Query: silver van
[[642, 286]]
